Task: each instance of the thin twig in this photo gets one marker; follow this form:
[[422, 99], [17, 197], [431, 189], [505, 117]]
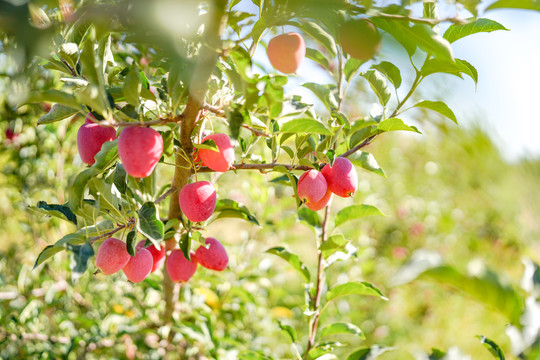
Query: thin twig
[[129, 225], [159, 121], [219, 112], [318, 290], [167, 193], [260, 167]]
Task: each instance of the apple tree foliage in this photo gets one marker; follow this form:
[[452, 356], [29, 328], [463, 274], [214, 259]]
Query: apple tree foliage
[[188, 68]]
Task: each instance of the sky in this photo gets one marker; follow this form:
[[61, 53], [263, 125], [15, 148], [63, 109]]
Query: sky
[[506, 101]]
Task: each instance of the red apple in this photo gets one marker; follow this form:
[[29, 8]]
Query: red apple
[[91, 137], [140, 149]]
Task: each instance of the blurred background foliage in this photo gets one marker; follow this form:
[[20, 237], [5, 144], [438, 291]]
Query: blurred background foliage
[[448, 192]]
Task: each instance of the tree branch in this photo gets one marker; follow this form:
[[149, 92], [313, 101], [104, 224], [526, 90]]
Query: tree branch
[[206, 62]]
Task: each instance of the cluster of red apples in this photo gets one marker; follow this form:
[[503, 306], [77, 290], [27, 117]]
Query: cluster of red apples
[[140, 149], [315, 188], [113, 256], [358, 37]]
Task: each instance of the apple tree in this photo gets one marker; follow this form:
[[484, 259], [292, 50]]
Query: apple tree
[[165, 97]]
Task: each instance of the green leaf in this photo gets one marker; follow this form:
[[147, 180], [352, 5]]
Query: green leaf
[[458, 31], [341, 328], [131, 242], [48, 252], [370, 353], [310, 217], [81, 255], [324, 93], [289, 330], [515, 4], [185, 245], [106, 197], [492, 346], [69, 52], [437, 65], [354, 288], [133, 86], [468, 69], [59, 211], [355, 212], [430, 41], [319, 34], [366, 161], [292, 259], [120, 178], [395, 29], [395, 124], [58, 112], [420, 35], [378, 85], [227, 208], [318, 57], [149, 223], [333, 244], [105, 158], [351, 66], [391, 72], [76, 238], [54, 96], [437, 106], [305, 126]]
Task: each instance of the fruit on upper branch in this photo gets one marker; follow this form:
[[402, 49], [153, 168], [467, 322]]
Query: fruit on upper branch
[[91, 137], [198, 200], [140, 149], [360, 39], [311, 186], [341, 177], [286, 52], [222, 159]]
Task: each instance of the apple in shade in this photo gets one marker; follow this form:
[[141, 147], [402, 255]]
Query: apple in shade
[[311, 186], [198, 200], [213, 258], [286, 52], [139, 266], [140, 149], [318, 205], [158, 256], [179, 268], [222, 159], [341, 177], [91, 137], [112, 256], [359, 38]]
